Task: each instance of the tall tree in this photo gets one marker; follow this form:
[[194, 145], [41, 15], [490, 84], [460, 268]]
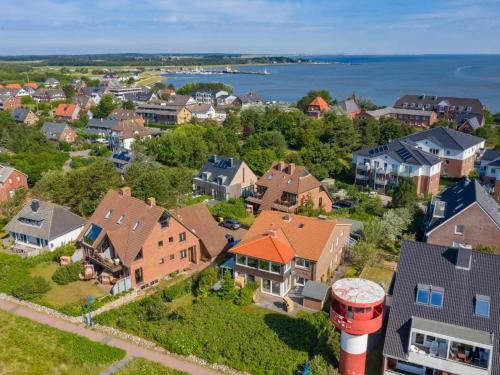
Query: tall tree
[[106, 105]]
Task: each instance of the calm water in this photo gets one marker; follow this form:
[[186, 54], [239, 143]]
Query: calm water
[[381, 79]]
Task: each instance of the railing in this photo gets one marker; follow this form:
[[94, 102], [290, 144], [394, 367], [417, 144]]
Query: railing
[[354, 326], [362, 176], [104, 262], [382, 182], [362, 167]]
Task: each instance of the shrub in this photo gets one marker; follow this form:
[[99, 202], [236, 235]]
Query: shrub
[[177, 290], [205, 280], [67, 274], [31, 288], [245, 296], [319, 366], [232, 209], [228, 290]]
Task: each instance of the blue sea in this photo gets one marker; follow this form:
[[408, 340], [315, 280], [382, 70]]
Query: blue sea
[[381, 79]]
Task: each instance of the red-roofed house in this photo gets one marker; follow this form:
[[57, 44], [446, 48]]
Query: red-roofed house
[[15, 86], [317, 107], [282, 250], [66, 111], [31, 85]]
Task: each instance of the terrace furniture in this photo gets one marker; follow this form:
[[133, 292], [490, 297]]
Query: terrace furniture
[[433, 348], [89, 272], [64, 260]]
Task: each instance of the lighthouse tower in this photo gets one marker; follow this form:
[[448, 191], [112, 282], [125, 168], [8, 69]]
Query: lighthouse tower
[[356, 310]]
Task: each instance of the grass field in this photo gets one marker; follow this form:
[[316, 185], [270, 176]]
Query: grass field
[[60, 295], [378, 274], [139, 366], [30, 348]]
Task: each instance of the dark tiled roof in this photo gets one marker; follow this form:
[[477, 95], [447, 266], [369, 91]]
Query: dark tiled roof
[[491, 155], [56, 221], [433, 101], [422, 263], [447, 138], [101, 123], [53, 130], [460, 196], [19, 114], [251, 98], [402, 151], [220, 166]]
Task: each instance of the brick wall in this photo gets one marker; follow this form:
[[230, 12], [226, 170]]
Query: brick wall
[[15, 181], [458, 168]]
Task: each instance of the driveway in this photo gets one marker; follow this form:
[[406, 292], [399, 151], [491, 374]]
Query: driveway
[[237, 234]]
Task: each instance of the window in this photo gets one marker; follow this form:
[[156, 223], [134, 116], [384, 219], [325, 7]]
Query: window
[[264, 265], [423, 295], [241, 259], [172, 256], [120, 219], [160, 243], [436, 298], [139, 255], [252, 262], [162, 260], [182, 236], [300, 280], [459, 229], [266, 285], [138, 275], [164, 220], [299, 262], [275, 267], [136, 225], [183, 254], [482, 306], [108, 214], [170, 239]]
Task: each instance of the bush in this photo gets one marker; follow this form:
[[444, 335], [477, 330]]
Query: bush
[[228, 290], [177, 290], [204, 282], [245, 295], [67, 274], [230, 209], [319, 366], [31, 288]]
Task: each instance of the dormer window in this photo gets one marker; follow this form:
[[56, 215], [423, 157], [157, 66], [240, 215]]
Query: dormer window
[[482, 306], [121, 219], [108, 214], [270, 177]]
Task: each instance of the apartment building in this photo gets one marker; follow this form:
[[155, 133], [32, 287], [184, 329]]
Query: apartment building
[[443, 312], [381, 167], [489, 171], [457, 150], [410, 117]]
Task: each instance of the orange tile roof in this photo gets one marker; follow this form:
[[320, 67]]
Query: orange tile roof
[[307, 236], [321, 103], [32, 85], [65, 110], [16, 86], [267, 247]]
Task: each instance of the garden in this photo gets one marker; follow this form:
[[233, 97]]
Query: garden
[[189, 318], [42, 280]]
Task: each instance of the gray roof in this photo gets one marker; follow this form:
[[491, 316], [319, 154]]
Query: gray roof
[[55, 221], [52, 81], [447, 138], [101, 123], [251, 98], [219, 165], [53, 130], [315, 290], [19, 114], [5, 172], [349, 106], [491, 155], [433, 101], [402, 151], [398, 111], [179, 100], [457, 198], [422, 263]]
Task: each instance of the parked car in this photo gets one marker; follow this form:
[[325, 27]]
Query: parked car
[[231, 224], [345, 203]]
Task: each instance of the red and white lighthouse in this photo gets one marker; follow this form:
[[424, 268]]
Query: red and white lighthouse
[[356, 310]]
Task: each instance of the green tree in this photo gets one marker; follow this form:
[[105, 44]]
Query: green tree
[[391, 129], [129, 104], [304, 101], [260, 160], [11, 206], [405, 193], [69, 92], [394, 223], [106, 105], [227, 290]]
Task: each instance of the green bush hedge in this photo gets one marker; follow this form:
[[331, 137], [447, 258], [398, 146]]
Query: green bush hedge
[[245, 295], [67, 274], [177, 290], [31, 288]]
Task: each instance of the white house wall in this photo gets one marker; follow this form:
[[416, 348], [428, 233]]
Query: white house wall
[[65, 238]]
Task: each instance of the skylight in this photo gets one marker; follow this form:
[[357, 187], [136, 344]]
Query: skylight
[[108, 214], [121, 219], [429, 295], [136, 225], [482, 306]]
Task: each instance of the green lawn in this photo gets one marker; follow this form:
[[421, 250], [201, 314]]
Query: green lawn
[[247, 338], [60, 295], [140, 366], [31, 348], [379, 275]]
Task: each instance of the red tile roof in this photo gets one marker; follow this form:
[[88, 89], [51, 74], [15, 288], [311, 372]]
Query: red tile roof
[[32, 85], [16, 86], [267, 247], [320, 102], [65, 110]]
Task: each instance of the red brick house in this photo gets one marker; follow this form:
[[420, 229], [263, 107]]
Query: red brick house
[[135, 243], [284, 187], [11, 180], [59, 132], [464, 214], [282, 250]]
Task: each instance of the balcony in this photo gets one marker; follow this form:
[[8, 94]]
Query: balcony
[[381, 181], [104, 262], [362, 167], [353, 326], [362, 177], [285, 206]]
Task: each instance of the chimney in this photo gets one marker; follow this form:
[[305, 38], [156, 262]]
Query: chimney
[[151, 201], [35, 205], [125, 191], [291, 168], [214, 158], [272, 232], [231, 162]]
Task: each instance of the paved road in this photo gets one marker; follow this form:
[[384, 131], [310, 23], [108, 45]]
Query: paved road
[[131, 349]]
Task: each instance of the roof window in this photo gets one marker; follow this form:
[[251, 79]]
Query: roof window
[[482, 306], [429, 295], [108, 214], [121, 219], [136, 225]]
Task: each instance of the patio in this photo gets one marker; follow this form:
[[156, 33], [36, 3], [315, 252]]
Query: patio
[[275, 303]]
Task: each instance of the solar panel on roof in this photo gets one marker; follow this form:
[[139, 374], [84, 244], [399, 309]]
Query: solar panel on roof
[[404, 154]]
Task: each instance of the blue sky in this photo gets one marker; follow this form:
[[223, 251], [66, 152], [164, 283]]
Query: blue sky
[[250, 26]]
